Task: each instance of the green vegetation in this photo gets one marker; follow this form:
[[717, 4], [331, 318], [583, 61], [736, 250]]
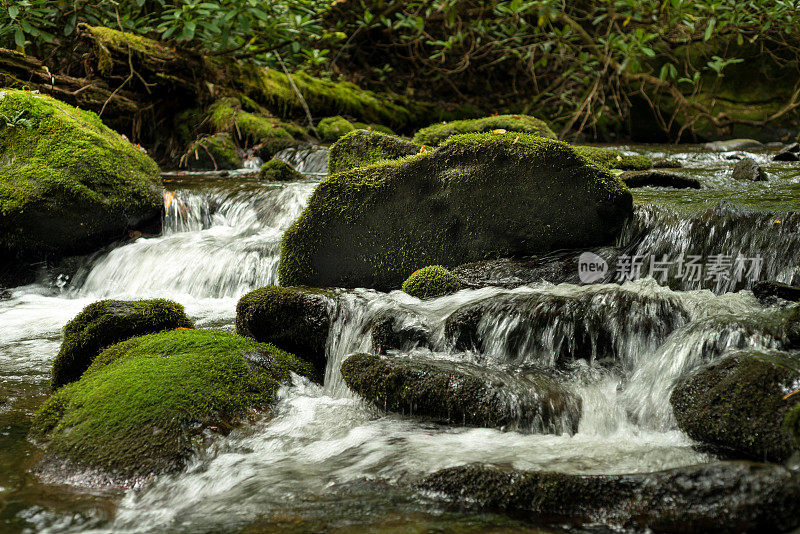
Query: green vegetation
[[430, 282], [214, 152], [611, 159], [478, 196], [68, 183], [363, 147], [253, 127], [144, 404], [332, 128], [106, 322], [278, 171], [435, 134]]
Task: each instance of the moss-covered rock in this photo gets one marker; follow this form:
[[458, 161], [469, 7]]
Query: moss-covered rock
[[739, 404], [278, 171], [478, 196], [252, 125], [215, 152], [106, 322], [68, 184], [364, 147], [748, 170], [612, 159], [430, 282], [435, 134], [146, 404], [332, 128], [718, 497], [463, 394], [294, 319]]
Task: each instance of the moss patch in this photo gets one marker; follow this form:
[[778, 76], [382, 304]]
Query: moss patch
[[477, 197], [432, 281], [611, 159], [253, 127], [215, 152], [363, 147], [106, 322], [279, 171], [143, 404], [435, 134], [68, 184], [332, 128]]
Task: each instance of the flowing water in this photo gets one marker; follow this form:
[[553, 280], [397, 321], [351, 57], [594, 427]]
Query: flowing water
[[328, 461]]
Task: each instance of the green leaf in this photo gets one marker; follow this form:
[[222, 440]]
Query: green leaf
[[710, 29], [19, 37], [13, 11]]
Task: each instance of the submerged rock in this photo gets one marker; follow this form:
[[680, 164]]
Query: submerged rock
[[393, 331], [106, 322], [659, 179], [718, 497], [748, 170], [213, 153], [463, 394], [477, 197], [294, 319], [788, 153], [436, 134], [612, 159], [364, 147], [430, 282], [739, 404], [146, 404], [765, 289], [732, 145], [278, 171], [68, 184]]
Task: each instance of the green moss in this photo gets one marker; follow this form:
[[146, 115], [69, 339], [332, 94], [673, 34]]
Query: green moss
[[279, 171], [435, 134], [477, 197], [67, 182], [227, 115], [364, 147], [432, 281], [106, 322], [611, 159], [332, 128], [143, 405], [107, 39], [215, 152]]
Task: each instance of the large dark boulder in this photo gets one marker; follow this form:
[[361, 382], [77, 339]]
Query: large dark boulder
[[764, 289], [719, 497], [294, 319], [739, 405], [478, 196], [106, 322], [462, 393], [656, 178]]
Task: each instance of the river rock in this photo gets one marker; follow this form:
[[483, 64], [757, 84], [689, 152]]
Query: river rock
[[788, 153], [276, 170], [106, 322], [68, 184], [659, 179], [399, 332], [436, 134], [720, 497], [463, 394], [294, 319], [365, 147], [766, 289], [747, 169], [739, 405], [732, 145], [145, 405], [476, 197]]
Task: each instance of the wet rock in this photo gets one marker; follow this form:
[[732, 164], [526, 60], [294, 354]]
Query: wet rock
[[739, 404], [294, 319], [479, 196], [659, 179], [747, 169], [106, 322], [278, 171], [788, 153], [68, 184], [145, 405], [394, 332], [766, 289], [365, 147], [732, 145], [463, 394], [718, 497], [667, 164]]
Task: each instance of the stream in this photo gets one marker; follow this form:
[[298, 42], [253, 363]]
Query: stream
[[326, 460]]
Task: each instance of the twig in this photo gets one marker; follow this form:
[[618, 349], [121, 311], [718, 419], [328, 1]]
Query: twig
[[299, 94]]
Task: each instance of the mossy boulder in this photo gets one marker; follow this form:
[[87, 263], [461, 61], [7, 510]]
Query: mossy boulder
[[739, 405], [364, 147], [106, 322], [68, 184], [213, 153], [332, 128], [463, 394], [276, 170], [718, 497], [430, 282], [478, 196], [146, 404], [748, 170], [436, 134], [612, 159], [294, 319]]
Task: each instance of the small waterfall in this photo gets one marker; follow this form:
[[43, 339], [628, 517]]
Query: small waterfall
[[311, 160]]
